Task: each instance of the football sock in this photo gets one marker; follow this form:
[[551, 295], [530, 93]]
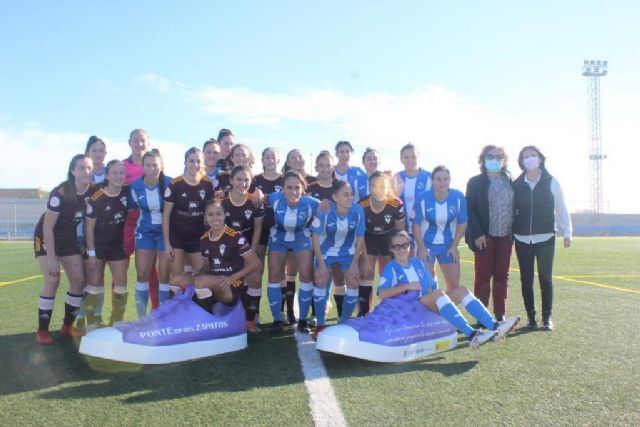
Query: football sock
[[320, 303], [142, 298], [204, 298], [290, 295], [479, 311], [252, 301], [349, 303], [338, 297], [164, 292], [305, 299], [118, 303], [90, 300], [450, 312], [71, 305], [45, 311], [275, 296], [364, 294]]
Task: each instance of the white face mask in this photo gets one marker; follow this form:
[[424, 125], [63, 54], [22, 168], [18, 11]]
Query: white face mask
[[531, 163]]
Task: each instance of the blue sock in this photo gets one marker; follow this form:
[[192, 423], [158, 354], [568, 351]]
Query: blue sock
[[349, 304], [479, 311], [320, 298], [453, 315], [274, 294], [164, 292], [99, 304], [142, 298], [305, 299]]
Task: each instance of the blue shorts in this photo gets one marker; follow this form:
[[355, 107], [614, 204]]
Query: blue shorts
[[439, 252], [343, 261], [301, 243], [150, 240]]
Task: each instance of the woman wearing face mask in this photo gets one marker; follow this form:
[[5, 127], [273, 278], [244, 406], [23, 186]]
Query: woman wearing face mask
[[490, 217], [538, 197]]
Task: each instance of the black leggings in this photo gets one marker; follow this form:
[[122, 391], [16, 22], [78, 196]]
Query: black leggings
[[543, 253]]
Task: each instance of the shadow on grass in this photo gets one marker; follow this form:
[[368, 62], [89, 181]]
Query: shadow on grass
[[269, 361]]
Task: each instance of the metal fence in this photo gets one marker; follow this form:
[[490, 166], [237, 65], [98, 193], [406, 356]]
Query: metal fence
[[18, 217]]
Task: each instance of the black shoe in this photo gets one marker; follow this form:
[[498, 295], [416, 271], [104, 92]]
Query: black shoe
[[533, 324], [547, 324], [291, 318], [277, 327], [303, 328]]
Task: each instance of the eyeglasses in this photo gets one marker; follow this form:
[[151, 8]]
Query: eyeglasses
[[400, 246], [493, 156]]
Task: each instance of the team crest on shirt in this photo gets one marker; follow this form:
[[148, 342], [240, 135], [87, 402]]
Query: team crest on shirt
[[278, 188], [54, 201], [316, 223], [387, 219], [453, 209], [202, 193], [223, 247], [352, 225], [167, 192], [302, 216], [247, 213], [206, 252]]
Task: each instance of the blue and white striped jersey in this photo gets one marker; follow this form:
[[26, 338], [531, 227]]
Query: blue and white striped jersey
[[150, 202], [357, 180], [338, 235], [395, 274], [408, 189], [438, 219], [291, 222]]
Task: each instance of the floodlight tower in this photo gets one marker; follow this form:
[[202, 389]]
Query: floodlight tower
[[593, 70]]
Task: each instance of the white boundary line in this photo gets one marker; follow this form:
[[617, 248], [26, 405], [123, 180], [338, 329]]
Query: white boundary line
[[324, 406]]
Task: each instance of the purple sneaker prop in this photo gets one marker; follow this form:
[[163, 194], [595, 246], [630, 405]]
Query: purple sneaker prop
[[399, 329], [178, 330]]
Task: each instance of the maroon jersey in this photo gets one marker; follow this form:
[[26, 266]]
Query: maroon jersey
[[187, 215], [224, 256], [384, 221], [241, 217], [71, 211], [224, 181], [318, 191], [267, 187], [109, 213]]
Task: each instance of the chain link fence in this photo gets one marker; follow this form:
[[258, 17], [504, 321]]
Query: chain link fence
[[18, 217]]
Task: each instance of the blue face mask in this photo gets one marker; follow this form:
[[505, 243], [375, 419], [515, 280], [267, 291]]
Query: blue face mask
[[493, 165]]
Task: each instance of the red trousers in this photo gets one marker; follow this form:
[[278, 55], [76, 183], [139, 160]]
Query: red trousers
[[494, 262]]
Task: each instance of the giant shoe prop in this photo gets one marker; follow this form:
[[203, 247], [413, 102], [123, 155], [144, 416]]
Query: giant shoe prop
[[398, 330], [176, 331]]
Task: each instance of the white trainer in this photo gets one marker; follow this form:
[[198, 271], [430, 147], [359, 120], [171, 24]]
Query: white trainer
[[506, 326], [480, 337]]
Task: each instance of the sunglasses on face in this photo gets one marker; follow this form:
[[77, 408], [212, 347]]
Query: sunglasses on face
[[493, 157], [400, 246]]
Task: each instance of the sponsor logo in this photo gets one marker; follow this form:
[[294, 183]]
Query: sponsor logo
[[123, 200], [54, 201], [235, 224], [184, 195], [442, 345], [216, 261], [242, 241]]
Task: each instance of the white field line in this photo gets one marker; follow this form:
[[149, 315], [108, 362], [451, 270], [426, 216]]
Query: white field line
[[324, 406]]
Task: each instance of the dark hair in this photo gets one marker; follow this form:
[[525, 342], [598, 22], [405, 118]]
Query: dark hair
[[534, 148], [191, 151], [439, 168], [154, 152], [139, 130], [409, 146], [69, 186], [275, 151], [375, 175], [229, 161], [369, 150], [93, 140], [224, 132], [395, 233], [346, 143], [324, 153], [238, 169], [107, 167], [338, 185], [209, 142], [286, 168], [295, 174], [483, 154], [218, 202]]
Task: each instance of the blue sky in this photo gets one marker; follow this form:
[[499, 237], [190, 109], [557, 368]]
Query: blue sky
[[450, 77]]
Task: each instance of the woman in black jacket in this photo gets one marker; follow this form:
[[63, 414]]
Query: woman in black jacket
[[490, 210], [538, 198]]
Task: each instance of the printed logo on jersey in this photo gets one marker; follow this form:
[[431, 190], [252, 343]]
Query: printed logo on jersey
[[206, 251], [352, 225], [123, 200], [242, 241], [89, 209], [54, 201], [223, 247], [302, 215], [316, 223], [107, 209], [387, 219], [184, 194], [278, 189], [216, 261], [247, 213], [235, 224], [453, 209], [401, 209], [167, 192], [202, 193]]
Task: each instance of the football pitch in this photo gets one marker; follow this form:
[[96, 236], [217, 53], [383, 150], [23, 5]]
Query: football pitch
[[585, 372]]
